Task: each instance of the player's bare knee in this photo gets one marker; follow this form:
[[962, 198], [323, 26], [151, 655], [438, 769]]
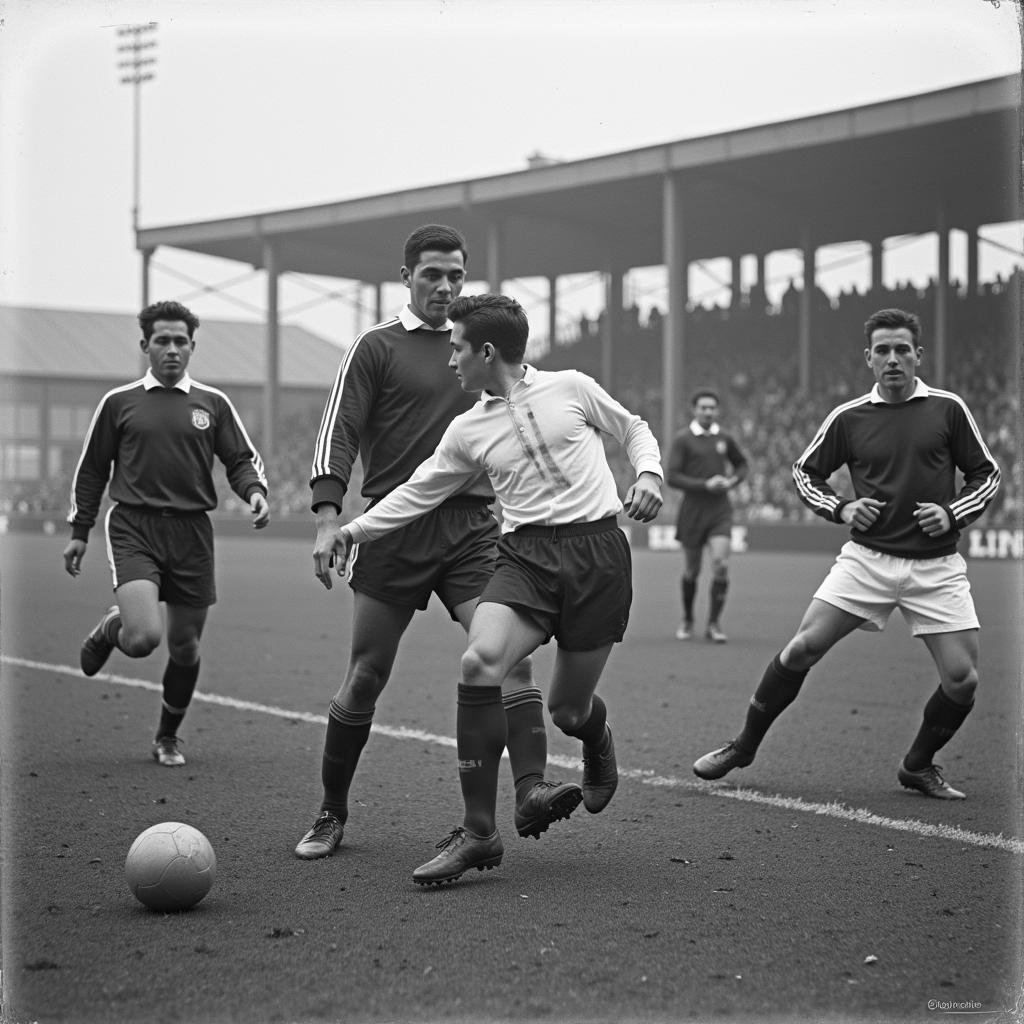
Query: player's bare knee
[[184, 652], [138, 643], [568, 718], [802, 652], [961, 684], [478, 669], [520, 675], [363, 684]]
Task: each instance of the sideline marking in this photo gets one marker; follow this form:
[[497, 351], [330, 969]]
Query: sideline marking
[[858, 815]]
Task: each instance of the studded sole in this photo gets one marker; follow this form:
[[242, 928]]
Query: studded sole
[[485, 865], [558, 810]]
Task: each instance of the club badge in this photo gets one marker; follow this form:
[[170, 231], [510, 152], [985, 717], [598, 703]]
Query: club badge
[[200, 419]]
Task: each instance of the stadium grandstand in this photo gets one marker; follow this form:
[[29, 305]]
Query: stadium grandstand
[[935, 164]]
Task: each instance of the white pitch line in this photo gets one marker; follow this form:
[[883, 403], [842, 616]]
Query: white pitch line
[[858, 815]]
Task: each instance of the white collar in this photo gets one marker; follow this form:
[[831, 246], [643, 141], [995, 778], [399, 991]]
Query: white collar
[[411, 322], [527, 379], [698, 431], [149, 382], [921, 390]]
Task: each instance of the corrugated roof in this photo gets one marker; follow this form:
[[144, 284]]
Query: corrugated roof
[[86, 344]]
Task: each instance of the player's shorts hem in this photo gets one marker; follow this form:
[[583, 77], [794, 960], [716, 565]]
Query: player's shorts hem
[[933, 628], [872, 623], [384, 598]]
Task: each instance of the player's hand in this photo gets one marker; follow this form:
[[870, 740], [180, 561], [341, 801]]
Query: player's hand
[[717, 483], [260, 508], [73, 555], [862, 513], [643, 499], [331, 551], [932, 518]]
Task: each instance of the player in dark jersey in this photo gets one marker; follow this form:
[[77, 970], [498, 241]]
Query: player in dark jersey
[[903, 443], [705, 464], [393, 398], [154, 441]]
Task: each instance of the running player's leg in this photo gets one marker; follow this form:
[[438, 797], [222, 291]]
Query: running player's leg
[[956, 657], [469, 542], [719, 546], [141, 623], [499, 637], [377, 629], [822, 626], [579, 712], [524, 709], [693, 556], [184, 630]]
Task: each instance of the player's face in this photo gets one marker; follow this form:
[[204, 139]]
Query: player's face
[[433, 284], [169, 349], [473, 369], [893, 359], [705, 412]]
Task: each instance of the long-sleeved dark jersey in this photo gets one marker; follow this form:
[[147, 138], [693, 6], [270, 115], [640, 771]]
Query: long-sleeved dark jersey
[[694, 458], [161, 444], [391, 402], [901, 454]]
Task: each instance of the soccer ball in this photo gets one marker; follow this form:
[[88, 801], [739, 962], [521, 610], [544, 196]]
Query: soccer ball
[[170, 866]]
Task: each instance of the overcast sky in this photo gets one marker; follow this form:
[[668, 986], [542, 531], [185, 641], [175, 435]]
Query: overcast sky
[[271, 104]]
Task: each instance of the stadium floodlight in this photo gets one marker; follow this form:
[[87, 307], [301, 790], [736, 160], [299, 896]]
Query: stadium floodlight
[[135, 65]]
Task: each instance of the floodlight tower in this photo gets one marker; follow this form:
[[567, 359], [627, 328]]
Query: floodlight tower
[[136, 43]]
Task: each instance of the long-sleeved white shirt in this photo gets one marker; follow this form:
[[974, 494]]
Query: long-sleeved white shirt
[[540, 446]]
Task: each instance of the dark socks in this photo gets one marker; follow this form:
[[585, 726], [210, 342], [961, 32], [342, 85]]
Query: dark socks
[[527, 738], [719, 588], [481, 730], [592, 731], [689, 591], [942, 718], [347, 733], [776, 691], [179, 683]]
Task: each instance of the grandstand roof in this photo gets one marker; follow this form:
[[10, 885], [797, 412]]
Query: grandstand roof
[[105, 346], [870, 172]]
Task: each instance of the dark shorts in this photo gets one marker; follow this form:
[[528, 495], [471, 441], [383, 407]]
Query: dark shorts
[[698, 522], [449, 551], [175, 552], [574, 581]]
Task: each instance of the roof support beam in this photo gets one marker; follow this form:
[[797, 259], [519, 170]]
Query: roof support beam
[[271, 387], [941, 297], [673, 339], [806, 301]]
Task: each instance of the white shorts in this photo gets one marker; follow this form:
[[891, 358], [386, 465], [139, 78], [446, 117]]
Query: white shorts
[[933, 594]]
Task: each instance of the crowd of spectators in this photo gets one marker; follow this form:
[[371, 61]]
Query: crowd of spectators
[[748, 354]]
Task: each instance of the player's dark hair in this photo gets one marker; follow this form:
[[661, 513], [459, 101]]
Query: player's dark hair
[[167, 311], [893, 318], [498, 319], [433, 238], [704, 393]]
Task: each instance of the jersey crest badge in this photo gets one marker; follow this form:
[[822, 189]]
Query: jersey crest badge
[[200, 419], [720, 447]]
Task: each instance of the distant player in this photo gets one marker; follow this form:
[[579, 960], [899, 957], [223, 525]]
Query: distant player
[[391, 403], [903, 443], [563, 568], [154, 441], [705, 464]]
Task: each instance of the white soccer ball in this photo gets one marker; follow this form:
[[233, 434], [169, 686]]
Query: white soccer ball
[[170, 866]]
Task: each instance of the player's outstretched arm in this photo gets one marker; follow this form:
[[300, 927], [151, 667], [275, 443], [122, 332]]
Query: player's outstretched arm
[[643, 500], [73, 555]]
